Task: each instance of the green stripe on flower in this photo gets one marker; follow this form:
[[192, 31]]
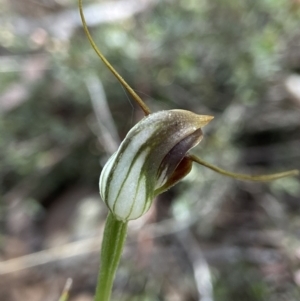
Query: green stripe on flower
[[149, 161]]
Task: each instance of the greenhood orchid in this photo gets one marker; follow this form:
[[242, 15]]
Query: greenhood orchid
[[153, 157], [150, 160]]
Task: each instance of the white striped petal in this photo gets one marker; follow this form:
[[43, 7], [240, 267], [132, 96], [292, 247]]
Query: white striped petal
[[147, 159]]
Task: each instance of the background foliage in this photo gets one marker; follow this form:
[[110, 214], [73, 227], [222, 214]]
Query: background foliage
[[236, 60]]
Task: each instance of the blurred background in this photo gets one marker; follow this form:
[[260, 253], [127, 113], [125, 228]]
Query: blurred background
[[62, 114]]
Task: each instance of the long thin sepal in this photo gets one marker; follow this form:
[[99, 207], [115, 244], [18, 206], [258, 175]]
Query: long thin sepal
[[139, 101], [259, 178]]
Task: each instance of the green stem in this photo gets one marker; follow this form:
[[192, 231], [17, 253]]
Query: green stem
[[112, 245]]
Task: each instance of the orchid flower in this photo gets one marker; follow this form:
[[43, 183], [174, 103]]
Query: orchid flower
[[153, 157]]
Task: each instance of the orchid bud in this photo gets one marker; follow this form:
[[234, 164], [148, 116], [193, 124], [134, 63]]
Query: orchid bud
[[151, 159]]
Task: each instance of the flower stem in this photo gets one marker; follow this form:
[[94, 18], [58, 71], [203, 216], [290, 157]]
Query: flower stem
[[112, 245]]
